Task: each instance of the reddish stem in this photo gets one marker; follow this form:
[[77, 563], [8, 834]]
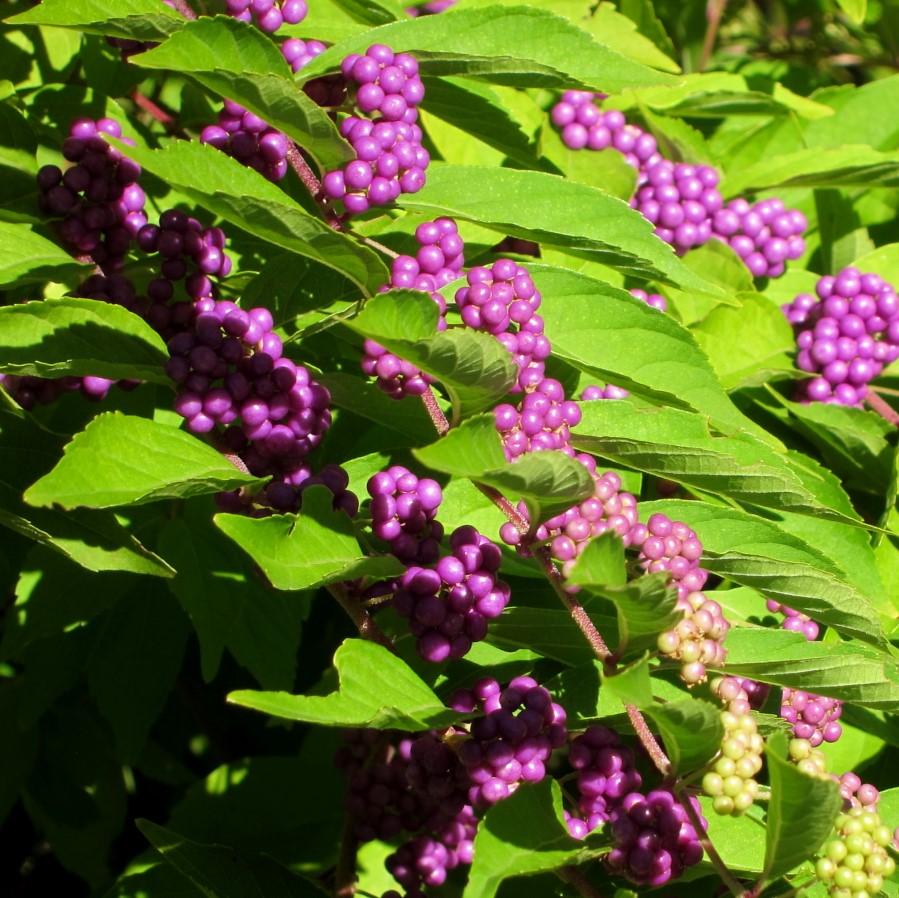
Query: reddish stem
[[153, 110], [304, 172], [648, 739], [435, 413], [715, 14], [345, 874], [883, 408], [359, 615], [184, 8]]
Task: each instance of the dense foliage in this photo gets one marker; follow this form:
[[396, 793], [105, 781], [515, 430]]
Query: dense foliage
[[449, 450]]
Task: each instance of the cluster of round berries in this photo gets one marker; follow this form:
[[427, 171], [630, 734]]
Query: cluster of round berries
[[390, 158], [250, 140], [230, 371], [814, 717], [765, 235], [654, 839], [449, 606], [426, 859], [541, 421], [403, 511], [437, 262], [568, 533], [655, 300], [671, 546], [795, 620], [845, 337], [268, 15], [502, 300], [856, 794], [731, 781], [584, 124], [400, 783], [697, 640], [99, 199], [680, 200], [756, 692], [299, 53], [605, 775], [513, 740], [854, 862], [188, 252]]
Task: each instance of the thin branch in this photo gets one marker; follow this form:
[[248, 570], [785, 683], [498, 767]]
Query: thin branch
[[183, 7], [153, 110], [576, 879], [345, 874], [728, 878], [379, 247], [714, 15], [304, 172], [883, 408], [522, 525], [648, 740], [358, 614], [572, 604], [438, 419]]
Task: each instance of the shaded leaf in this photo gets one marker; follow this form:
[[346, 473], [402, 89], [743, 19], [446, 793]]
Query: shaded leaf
[[26, 257], [138, 19], [691, 730]]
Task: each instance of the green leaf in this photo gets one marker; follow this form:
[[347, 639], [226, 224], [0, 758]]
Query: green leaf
[[855, 9], [478, 110], [134, 665], [515, 45], [315, 547], [620, 32], [678, 445], [609, 334], [756, 552], [237, 60], [124, 460], [736, 838], [93, 539], [139, 19], [601, 563], [26, 257], [220, 872], [549, 631], [474, 367], [372, 12], [245, 198], [524, 835], [548, 209], [846, 166], [230, 605], [691, 730], [59, 337], [631, 685], [748, 344], [548, 482], [377, 690], [18, 144], [793, 835], [852, 672]]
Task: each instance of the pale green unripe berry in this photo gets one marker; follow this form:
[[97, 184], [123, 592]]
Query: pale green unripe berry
[[713, 784]]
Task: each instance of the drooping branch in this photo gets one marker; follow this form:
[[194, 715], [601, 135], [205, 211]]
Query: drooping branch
[[883, 408]]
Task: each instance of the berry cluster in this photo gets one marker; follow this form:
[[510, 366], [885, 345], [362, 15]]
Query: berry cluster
[[268, 15], [814, 717], [609, 391], [795, 620], [654, 839], [854, 861], [502, 299], [605, 775], [845, 337], [855, 793], [697, 640], [731, 781], [450, 605], [437, 262], [30, 391], [584, 124], [671, 546], [680, 200], [98, 198], [765, 235], [403, 510], [756, 693], [513, 740], [541, 421], [390, 158], [252, 141]]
